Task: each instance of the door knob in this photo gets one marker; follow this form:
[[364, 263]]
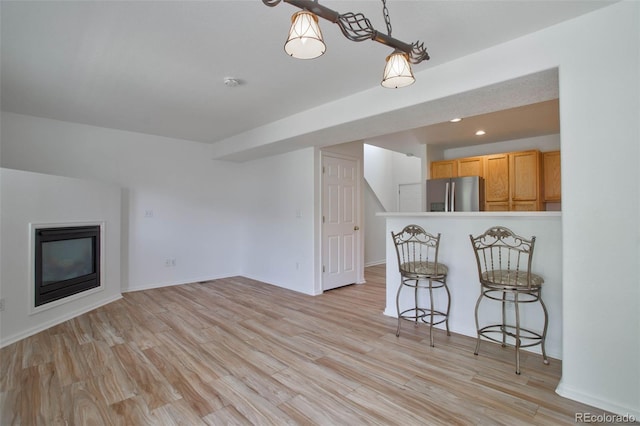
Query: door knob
[[356, 228]]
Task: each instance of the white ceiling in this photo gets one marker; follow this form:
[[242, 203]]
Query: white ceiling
[[158, 67], [541, 118]]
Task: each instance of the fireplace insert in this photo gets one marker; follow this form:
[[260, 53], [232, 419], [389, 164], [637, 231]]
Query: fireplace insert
[[67, 262]]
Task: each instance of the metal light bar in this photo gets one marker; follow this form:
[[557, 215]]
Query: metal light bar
[[356, 27]]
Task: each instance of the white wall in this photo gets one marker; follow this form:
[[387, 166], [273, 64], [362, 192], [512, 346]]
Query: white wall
[[375, 238], [379, 173], [277, 227], [177, 202], [599, 109], [29, 199]]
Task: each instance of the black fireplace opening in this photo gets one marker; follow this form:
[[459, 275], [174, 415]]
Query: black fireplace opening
[[67, 262]]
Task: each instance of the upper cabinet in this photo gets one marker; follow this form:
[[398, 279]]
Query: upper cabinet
[[551, 166], [444, 169], [496, 182], [512, 181], [525, 180], [470, 166]]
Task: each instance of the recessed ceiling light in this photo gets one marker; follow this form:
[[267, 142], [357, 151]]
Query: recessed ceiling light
[[480, 133], [456, 120]]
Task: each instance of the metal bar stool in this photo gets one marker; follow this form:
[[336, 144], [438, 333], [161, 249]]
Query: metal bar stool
[[417, 252], [504, 270]]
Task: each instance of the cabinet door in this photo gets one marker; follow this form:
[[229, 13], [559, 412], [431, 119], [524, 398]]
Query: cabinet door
[[471, 166], [443, 169], [496, 206], [496, 178], [524, 206], [525, 181], [551, 165]]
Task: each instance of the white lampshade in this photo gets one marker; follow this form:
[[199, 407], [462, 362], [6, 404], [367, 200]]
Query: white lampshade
[[305, 38], [397, 71]]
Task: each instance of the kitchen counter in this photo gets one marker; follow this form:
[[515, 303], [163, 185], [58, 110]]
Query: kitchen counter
[[457, 254]]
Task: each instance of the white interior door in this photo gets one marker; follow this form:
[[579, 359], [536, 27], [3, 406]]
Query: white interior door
[[339, 227], [410, 197]]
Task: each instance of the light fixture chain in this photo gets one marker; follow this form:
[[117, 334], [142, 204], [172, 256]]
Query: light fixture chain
[[387, 20]]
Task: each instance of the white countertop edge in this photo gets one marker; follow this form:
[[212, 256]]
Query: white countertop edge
[[455, 215]]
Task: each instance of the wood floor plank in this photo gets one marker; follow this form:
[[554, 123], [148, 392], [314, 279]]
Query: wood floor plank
[[254, 407], [228, 416], [240, 352], [152, 385]]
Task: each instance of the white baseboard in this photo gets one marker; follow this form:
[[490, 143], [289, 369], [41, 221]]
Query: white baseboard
[[574, 394], [171, 283]]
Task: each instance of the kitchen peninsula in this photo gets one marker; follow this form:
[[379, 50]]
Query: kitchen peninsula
[[457, 254]]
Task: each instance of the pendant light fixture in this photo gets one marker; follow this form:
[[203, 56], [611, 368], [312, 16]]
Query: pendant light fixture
[[397, 71], [305, 38]]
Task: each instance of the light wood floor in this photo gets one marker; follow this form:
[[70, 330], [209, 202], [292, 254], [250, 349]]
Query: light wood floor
[[236, 351]]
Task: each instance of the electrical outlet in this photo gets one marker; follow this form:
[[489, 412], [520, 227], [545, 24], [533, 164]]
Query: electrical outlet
[[173, 262], [167, 262], [2, 304]]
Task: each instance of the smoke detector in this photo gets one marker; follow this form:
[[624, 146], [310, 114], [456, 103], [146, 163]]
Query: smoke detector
[[231, 82]]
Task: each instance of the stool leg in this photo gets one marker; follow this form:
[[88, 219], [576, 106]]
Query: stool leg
[[477, 322], [415, 303], [544, 331], [517, 309], [446, 322], [398, 305], [504, 319], [431, 313]]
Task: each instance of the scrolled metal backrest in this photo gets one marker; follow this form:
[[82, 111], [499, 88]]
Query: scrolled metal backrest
[[415, 248], [500, 249]]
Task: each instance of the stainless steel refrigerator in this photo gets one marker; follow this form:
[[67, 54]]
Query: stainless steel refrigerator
[[463, 194]]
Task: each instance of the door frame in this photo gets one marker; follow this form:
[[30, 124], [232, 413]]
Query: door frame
[[359, 246]]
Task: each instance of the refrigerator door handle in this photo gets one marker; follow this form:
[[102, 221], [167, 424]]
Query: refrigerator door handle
[[446, 197], [453, 196]]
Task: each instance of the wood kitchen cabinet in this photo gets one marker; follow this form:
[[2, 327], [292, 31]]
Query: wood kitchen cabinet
[[496, 182], [471, 166], [525, 180], [512, 181], [552, 176], [444, 169]]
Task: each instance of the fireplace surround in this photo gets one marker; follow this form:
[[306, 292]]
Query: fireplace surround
[[67, 261]]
